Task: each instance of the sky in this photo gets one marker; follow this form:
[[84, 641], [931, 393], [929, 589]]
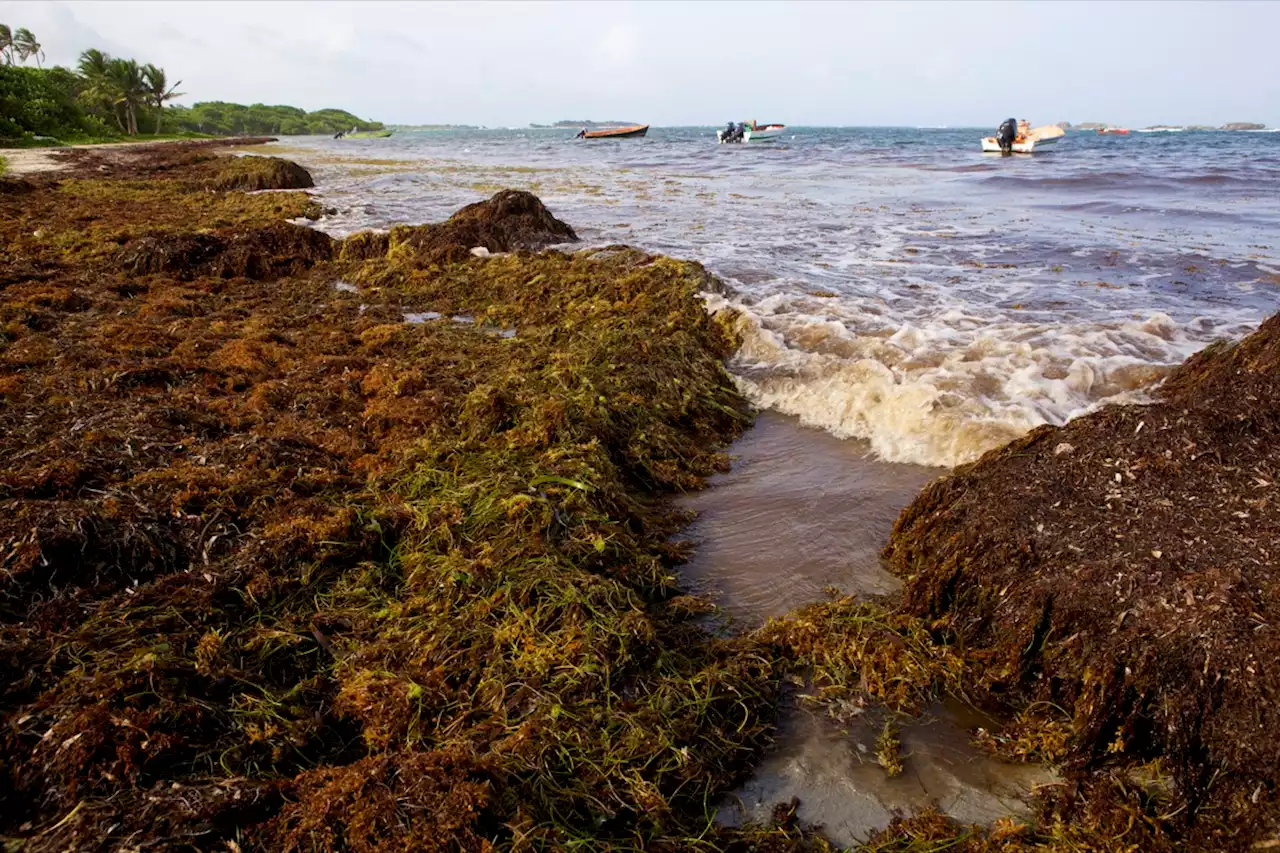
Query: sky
[[674, 63]]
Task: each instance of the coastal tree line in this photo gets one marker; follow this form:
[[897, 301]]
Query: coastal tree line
[[107, 97]]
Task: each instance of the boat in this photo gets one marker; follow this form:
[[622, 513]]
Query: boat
[[635, 131], [367, 134], [1113, 131], [1038, 137], [755, 132]]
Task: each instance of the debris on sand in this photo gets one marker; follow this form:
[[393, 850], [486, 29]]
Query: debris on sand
[[284, 571], [281, 569], [1123, 568]]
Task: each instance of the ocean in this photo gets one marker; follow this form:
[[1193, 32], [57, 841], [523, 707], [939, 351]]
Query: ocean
[[896, 286]]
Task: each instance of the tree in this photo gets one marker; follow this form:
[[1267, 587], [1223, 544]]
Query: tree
[[6, 44], [100, 89], [130, 89], [157, 90], [24, 42]]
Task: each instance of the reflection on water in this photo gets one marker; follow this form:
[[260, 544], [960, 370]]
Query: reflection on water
[[800, 511]]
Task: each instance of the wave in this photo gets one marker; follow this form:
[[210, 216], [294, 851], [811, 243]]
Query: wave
[[944, 391]]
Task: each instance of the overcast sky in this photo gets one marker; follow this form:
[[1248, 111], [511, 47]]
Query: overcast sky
[[903, 63]]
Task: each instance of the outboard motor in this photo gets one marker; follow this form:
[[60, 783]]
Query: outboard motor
[[1006, 134]]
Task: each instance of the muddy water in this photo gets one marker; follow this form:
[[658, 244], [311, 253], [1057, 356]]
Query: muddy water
[[802, 511], [831, 768]]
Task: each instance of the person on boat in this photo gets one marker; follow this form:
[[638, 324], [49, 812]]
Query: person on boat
[[1024, 129], [1006, 134]]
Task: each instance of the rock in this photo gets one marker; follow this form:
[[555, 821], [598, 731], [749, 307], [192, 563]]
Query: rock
[[1090, 125], [1132, 581], [1243, 125]]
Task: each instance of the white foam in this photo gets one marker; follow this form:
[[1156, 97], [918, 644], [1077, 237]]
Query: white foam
[[944, 389]]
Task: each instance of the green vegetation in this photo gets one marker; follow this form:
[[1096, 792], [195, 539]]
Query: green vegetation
[[223, 119], [108, 98], [20, 45]]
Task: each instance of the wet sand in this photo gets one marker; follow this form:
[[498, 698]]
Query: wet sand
[[802, 511]]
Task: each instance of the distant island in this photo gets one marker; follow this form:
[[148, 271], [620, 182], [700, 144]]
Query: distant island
[[435, 127], [107, 98], [1234, 125], [569, 123]]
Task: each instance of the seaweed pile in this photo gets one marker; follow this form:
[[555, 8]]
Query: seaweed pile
[[284, 571], [1119, 574], [312, 545]]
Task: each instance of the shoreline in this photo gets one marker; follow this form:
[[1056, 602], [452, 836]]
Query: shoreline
[[400, 563], [34, 161]]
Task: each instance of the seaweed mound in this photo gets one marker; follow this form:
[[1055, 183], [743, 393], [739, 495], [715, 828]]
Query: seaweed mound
[[262, 253], [282, 570], [259, 173], [1124, 567], [511, 220]]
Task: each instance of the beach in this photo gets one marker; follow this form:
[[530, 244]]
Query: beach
[[380, 495]]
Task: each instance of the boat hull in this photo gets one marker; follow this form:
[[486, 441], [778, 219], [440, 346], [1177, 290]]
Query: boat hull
[[373, 134], [618, 132], [765, 135]]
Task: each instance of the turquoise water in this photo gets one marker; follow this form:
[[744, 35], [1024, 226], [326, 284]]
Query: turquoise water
[[896, 285]]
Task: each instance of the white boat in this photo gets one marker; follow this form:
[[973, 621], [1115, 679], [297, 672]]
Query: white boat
[[756, 133], [764, 133], [1036, 138]]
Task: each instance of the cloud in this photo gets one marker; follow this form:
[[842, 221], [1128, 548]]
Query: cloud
[[500, 63]]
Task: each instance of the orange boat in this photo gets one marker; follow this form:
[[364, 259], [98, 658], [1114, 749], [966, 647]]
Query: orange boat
[[1114, 131], [635, 131]]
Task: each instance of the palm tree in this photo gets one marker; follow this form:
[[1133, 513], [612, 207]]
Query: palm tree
[[158, 91], [26, 45], [130, 89], [6, 44], [100, 89]]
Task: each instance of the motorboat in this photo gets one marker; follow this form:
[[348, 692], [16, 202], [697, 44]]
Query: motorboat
[[365, 134], [1113, 131], [635, 131], [753, 132], [1028, 142]]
